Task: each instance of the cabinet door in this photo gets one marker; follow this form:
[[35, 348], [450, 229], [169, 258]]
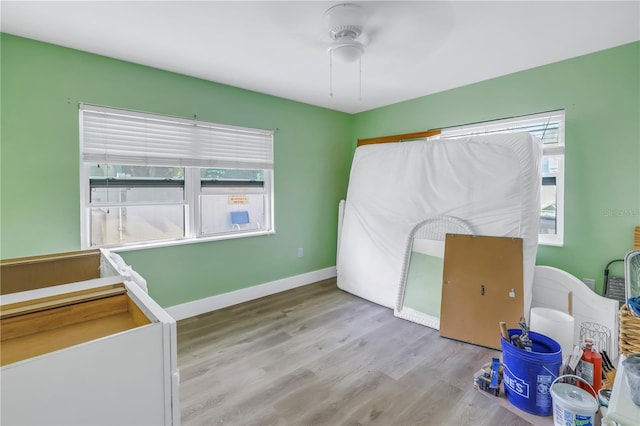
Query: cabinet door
[[482, 285]]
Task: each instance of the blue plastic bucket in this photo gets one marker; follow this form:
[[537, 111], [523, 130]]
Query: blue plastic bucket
[[528, 375]]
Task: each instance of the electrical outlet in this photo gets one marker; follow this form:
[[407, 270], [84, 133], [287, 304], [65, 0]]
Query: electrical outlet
[[300, 252], [591, 283]]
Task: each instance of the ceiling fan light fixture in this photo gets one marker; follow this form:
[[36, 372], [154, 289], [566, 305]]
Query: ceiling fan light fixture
[[347, 49]]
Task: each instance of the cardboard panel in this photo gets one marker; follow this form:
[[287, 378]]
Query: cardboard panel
[[482, 285]]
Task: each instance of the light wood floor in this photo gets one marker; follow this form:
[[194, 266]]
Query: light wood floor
[[316, 355]]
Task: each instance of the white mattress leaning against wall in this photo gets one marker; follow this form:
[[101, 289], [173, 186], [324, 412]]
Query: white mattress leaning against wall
[[490, 182]]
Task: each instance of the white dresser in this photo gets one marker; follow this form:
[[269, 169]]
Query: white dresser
[[97, 351]]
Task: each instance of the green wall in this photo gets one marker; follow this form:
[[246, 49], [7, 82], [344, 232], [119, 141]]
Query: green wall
[[600, 93], [42, 85]]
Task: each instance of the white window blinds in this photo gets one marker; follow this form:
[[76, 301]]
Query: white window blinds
[[548, 127], [116, 136]]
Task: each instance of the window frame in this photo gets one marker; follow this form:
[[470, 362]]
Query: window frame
[[232, 188], [192, 189], [512, 124]]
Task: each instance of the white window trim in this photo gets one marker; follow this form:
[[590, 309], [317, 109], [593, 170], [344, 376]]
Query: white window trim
[[192, 191], [556, 239]]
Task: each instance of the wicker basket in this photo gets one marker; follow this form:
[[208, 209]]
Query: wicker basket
[[629, 331]]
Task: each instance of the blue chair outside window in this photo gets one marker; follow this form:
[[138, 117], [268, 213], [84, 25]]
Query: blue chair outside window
[[238, 218]]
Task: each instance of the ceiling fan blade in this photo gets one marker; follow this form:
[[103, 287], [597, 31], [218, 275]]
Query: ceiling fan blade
[[370, 35]]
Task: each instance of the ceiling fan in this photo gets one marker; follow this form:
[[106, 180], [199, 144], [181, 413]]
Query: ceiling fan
[[345, 23]]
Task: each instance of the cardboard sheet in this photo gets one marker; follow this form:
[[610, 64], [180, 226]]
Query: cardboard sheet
[[481, 286]]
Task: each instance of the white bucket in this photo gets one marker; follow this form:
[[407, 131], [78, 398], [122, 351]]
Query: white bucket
[[555, 324], [572, 405]]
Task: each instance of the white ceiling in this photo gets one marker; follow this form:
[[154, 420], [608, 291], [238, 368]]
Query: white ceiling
[[415, 48]]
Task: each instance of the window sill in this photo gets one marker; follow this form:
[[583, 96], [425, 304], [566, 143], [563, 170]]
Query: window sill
[[551, 243], [185, 241]]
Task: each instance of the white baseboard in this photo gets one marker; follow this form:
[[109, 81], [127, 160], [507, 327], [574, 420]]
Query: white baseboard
[[201, 306]]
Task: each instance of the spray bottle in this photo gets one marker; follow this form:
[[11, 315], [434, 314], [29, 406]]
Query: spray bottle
[[590, 368]]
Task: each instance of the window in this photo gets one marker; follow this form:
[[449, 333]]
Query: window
[[549, 128], [150, 178]]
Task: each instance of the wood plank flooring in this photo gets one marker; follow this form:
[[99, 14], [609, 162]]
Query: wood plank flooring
[[316, 355]]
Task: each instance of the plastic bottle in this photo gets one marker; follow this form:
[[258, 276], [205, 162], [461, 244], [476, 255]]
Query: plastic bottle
[[590, 368]]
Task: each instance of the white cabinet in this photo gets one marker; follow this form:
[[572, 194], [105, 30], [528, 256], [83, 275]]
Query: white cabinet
[[99, 351]]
